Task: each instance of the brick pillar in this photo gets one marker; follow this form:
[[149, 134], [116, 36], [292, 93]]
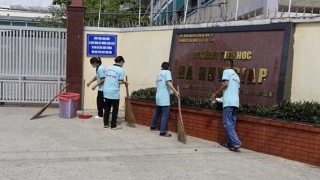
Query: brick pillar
[[77, 2], [75, 31]]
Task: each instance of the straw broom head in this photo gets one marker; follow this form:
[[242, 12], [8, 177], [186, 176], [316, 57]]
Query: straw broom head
[[129, 116]]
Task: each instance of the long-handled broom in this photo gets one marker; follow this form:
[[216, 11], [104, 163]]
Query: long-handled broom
[[181, 132], [129, 116]]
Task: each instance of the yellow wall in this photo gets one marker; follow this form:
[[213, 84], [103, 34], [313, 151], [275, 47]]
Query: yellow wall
[[89, 72], [143, 52], [306, 63]]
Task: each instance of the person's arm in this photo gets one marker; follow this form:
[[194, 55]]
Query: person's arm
[[168, 79], [89, 83], [222, 87], [225, 80], [121, 79], [169, 83], [98, 84], [123, 82], [102, 76]]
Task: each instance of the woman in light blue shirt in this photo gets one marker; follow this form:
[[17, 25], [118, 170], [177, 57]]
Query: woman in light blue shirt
[[164, 84], [100, 77], [111, 92]]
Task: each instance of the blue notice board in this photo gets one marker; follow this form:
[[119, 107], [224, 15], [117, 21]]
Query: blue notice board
[[101, 45]]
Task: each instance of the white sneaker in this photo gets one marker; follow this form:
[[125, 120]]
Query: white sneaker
[[98, 117], [116, 128]]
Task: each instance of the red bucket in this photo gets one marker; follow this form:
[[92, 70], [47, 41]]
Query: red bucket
[[68, 96]]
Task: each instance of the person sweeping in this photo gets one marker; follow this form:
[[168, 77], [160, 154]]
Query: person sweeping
[[111, 92], [164, 84]]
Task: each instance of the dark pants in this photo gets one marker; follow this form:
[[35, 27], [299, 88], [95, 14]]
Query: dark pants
[[115, 108], [165, 110], [100, 103]]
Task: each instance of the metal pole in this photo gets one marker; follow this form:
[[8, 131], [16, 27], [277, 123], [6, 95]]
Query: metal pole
[[151, 12], [99, 14], [20, 65], [289, 10], [139, 12], [82, 95], [174, 13], [237, 7], [185, 11], [198, 11], [167, 16]]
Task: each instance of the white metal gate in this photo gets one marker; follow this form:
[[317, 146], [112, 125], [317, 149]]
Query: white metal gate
[[32, 64]]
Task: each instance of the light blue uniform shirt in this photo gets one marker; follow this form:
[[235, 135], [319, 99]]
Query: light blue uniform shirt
[[111, 88], [231, 93], [100, 74], [163, 90]]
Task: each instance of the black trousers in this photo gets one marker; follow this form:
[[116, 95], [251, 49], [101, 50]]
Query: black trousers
[[115, 109], [100, 103]]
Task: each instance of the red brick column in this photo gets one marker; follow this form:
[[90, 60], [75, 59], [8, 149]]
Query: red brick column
[[77, 2], [75, 30]]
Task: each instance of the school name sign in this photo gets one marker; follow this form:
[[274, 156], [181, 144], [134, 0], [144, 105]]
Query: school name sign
[[101, 45], [260, 58]]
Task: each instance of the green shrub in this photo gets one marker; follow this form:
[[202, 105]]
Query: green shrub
[[149, 94], [302, 111]]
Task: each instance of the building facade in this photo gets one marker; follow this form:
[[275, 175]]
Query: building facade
[[163, 11], [17, 15]]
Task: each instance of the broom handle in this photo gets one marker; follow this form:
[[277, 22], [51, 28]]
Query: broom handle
[[179, 106], [57, 95], [127, 100], [127, 89]]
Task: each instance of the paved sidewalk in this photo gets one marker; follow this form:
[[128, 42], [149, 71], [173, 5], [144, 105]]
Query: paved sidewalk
[[75, 149]]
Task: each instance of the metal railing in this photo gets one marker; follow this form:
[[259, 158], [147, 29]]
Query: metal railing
[[123, 20], [32, 64]]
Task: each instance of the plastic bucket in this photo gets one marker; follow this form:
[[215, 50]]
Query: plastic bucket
[[68, 104]]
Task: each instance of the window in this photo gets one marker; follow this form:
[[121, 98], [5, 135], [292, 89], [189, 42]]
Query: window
[[32, 24], [18, 23], [5, 23]]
